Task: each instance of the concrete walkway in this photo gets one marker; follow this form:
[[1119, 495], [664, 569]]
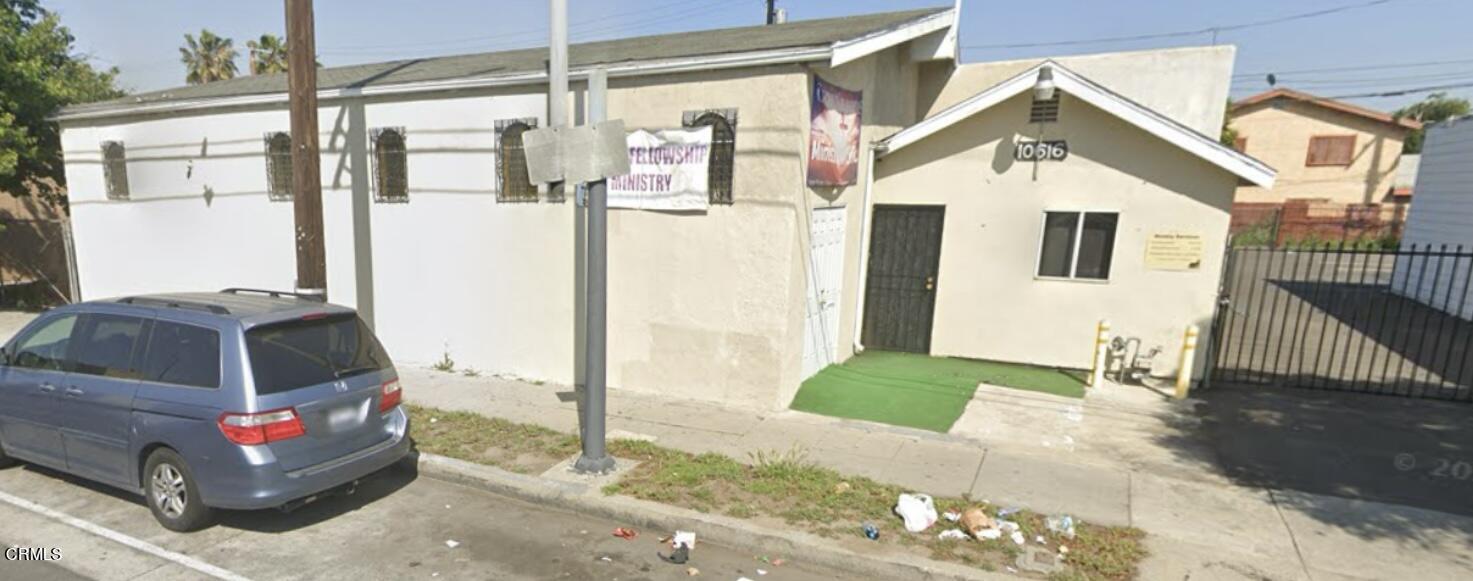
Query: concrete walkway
[[1114, 458]]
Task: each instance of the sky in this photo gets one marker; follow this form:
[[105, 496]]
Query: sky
[[1353, 47]]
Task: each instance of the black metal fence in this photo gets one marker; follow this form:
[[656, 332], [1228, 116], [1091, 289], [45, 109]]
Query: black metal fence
[[1391, 322]]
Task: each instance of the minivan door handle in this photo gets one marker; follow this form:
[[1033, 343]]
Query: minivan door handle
[[48, 388], [73, 392]]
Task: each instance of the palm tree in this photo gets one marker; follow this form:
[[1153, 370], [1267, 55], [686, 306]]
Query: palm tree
[[268, 55], [212, 58]]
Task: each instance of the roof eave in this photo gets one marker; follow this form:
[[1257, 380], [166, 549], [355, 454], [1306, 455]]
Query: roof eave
[[1239, 164], [626, 69]]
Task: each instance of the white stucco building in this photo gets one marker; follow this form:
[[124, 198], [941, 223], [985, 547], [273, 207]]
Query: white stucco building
[[431, 235]]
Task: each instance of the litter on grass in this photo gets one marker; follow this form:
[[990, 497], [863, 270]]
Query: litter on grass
[[975, 520], [951, 515], [952, 534], [1004, 512], [1017, 537], [871, 532], [918, 511], [1061, 525]]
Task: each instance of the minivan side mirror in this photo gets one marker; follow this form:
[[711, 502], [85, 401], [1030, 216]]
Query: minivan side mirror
[[4, 356]]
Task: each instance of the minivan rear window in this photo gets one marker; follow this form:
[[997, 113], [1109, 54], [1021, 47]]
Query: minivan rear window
[[295, 354]]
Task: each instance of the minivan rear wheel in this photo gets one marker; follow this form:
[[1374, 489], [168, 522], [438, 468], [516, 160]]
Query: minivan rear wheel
[[172, 494]]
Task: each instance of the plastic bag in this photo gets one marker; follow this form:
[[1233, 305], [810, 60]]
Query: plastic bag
[[918, 511]]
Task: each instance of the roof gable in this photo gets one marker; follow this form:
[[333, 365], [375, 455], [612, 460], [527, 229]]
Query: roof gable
[[1079, 87], [1330, 104]]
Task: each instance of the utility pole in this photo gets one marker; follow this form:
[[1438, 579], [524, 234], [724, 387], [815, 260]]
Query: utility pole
[[306, 170], [595, 392], [772, 11]]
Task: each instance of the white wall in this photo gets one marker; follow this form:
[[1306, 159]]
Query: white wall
[[1442, 213], [703, 305]]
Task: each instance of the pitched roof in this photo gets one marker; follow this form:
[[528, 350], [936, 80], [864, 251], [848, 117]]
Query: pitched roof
[[1078, 86], [1331, 104], [825, 36]]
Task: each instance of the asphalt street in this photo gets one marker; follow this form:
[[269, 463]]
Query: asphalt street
[[398, 525]]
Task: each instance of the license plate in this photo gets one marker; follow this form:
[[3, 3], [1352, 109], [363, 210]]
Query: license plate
[[343, 417]]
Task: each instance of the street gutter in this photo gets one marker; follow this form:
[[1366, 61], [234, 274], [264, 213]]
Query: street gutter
[[729, 532]]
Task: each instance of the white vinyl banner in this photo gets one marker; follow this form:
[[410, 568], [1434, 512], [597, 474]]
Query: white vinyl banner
[[667, 171]]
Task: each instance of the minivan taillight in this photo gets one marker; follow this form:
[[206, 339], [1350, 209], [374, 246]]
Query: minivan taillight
[[389, 396], [261, 428]]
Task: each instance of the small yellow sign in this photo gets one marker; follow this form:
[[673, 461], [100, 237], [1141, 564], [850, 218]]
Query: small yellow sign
[[1174, 251]]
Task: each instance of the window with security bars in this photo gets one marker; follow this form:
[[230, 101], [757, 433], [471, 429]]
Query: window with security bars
[[279, 166], [390, 165], [1045, 111], [513, 183], [723, 150], [115, 170]]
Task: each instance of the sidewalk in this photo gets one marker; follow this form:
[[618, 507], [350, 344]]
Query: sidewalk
[[1200, 526]]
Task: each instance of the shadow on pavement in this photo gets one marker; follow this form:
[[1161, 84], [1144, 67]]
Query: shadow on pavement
[[1352, 447], [370, 489]]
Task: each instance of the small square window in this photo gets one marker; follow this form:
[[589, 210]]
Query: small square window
[[1079, 245], [513, 184], [723, 149], [1330, 150], [115, 170], [1045, 111], [390, 165], [279, 166]]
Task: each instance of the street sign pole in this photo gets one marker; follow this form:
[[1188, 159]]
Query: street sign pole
[[595, 457]]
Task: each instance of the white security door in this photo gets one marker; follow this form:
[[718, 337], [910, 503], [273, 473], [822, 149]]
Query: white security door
[[825, 277]]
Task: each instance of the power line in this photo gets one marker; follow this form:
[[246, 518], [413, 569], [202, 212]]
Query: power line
[[1212, 30], [1401, 92], [1358, 68], [585, 27]]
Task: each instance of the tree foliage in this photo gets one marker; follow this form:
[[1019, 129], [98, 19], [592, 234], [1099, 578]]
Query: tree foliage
[[39, 74], [267, 55], [1435, 108], [208, 59]]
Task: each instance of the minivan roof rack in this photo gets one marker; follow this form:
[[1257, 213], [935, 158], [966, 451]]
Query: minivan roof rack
[[175, 303], [273, 293]]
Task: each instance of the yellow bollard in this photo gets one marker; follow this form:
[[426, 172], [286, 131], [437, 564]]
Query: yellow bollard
[[1102, 341], [1188, 355]]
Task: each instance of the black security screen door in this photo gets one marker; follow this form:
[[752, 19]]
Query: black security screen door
[[900, 295]]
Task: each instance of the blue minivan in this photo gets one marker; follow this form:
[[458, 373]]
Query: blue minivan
[[241, 399]]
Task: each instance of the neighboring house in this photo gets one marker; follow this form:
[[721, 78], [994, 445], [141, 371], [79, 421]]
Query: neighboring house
[[33, 255], [1323, 149], [431, 234], [1443, 215]]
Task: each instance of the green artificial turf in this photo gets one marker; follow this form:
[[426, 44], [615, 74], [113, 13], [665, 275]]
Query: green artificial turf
[[918, 391]]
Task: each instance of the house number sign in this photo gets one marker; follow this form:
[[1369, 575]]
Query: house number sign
[[1041, 150]]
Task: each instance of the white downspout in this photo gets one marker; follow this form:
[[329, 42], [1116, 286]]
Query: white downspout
[[859, 287]]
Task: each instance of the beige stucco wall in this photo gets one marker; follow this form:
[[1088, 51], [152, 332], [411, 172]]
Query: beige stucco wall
[[701, 304], [1189, 85], [1278, 133], [989, 304]]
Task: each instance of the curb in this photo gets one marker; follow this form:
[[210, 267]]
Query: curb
[[729, 532]]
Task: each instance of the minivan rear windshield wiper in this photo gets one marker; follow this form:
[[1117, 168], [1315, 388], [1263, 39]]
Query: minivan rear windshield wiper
[[341, 373]]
